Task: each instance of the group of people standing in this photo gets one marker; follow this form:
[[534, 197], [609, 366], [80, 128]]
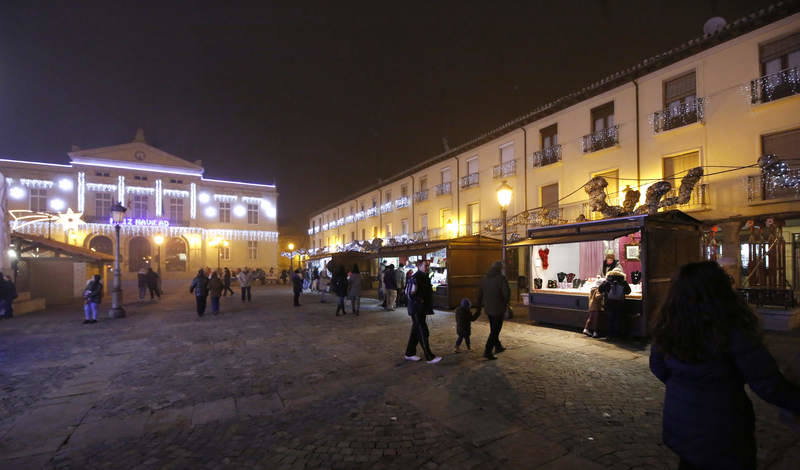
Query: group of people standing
[[216, 284], [147, 279]]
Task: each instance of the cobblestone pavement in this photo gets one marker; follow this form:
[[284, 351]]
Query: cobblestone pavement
[[265, 385]]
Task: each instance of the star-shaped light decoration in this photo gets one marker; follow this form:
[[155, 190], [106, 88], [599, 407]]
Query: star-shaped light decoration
[[70, 220]]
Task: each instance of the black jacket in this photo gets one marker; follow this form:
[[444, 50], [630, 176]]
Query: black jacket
[[612, 281], [152, 279], [339, 284], [424, 295], [494, 293], [464, 319], [708, 418], [389, 280], [94, 291], [199, 286], [297, 282]]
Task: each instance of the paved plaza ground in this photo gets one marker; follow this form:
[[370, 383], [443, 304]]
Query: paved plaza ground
[[266, 385]]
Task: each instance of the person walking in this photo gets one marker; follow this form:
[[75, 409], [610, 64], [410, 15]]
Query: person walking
[[494, 295], [297, 286], [339, 287], [354, 289], [615, 288], [141, 282], [706, 346], [92, 297], [215, 288], [389, 287], [400, 281], [200, 289], [226, 283], [8, 292], [420, 304], [152, 283], [381, 289], [315, 280], [284, 275], [464, 319], [245, 279]]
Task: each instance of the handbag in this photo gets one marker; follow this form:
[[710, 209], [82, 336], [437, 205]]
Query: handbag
[[509, 313]]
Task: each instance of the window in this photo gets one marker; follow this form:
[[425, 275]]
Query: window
[[175, 209], [506, 153], [225, 253], [225, 212], [252, 250], [677, 166], [446, 175], [404, 227], [507, 166], [140, 203], [445, 218], [680, 90], [252, 213], [473, 219], [140, 178], [603, 117], [172, 180], [102, 205], [472, 165], [138, 254], [363, 234], [423, 222], [549, 136], [784, 145], [423, 183], [550, 196], [388, 231], [612, 190], [388, 196], [374, 203], [176, 255], [102, 244], [352, 236], [100, 173], [780, 60], [404, 190], [38, 199]]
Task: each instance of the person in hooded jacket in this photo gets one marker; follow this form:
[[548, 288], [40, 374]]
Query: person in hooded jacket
[[297, 286], [464, 319], [215, 288], [706, 346], [200, 289], [339, 287], [494, 295], [92, 296], [420, 304], [615, 288]]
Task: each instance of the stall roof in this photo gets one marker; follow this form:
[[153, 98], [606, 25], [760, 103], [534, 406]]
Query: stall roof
[[342, 253], [605, 229], [433, 245], [29, 242]]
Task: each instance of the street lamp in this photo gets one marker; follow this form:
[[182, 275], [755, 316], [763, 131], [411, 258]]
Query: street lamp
[[504, 199], [291, 257], [159, 240], [219, 242], [117, 215]]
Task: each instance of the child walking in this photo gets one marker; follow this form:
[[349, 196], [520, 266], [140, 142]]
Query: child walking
[[464, 319]]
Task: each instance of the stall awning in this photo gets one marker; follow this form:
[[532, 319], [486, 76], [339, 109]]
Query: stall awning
[[581, 237], [27, 242], [424, 247]]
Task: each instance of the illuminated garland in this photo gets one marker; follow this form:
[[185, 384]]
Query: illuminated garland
[[172, 231]]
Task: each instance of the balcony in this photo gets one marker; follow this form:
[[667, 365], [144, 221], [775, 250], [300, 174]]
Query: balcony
[[360, 215], [401, 203], [349, 219], [386, 207], [599, 140], [759, 190], [698, 200], [470, 180], [679, 115], [775, 86], [420, 196], [372, 212], [547, 156], [442, 189], [325, 227], [311, 231], [504, 169]]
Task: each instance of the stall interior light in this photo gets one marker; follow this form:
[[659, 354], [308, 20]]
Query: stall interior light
[[57, 204], [65, 184], [203, 197], [239, 211], [210, 211], [16, 192]]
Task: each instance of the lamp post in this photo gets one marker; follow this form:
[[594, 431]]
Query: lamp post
[[117, 214], [291, 257], [159, 240], [504, 199], [219, 242]]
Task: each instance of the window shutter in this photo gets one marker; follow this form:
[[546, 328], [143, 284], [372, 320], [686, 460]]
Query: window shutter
[[550, 196], [507, 153], [773, 50], [680, 87]]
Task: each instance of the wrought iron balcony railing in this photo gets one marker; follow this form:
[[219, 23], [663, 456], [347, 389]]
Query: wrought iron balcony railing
[[601, 139], [421, 195], [775, 86], [678, 115], [442, 189], [372, 212], [547, 156], [504, 169], [402, 202], [470, 180], [386, 207], [759, 190]]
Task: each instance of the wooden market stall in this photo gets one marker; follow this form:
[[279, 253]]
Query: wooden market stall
[[649, 248], [459, 264], [364, 260]]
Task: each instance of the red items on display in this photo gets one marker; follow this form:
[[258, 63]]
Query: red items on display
[[543, 254]]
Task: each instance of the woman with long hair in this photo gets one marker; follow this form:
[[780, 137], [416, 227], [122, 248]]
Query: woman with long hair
[[706, 345]]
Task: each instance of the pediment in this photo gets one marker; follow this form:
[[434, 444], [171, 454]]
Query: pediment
[[133, 154]]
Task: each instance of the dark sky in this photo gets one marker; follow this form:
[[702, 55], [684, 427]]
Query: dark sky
[[322, 98]]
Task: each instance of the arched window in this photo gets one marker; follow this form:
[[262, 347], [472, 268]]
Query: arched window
[[102, 244], [176, 255], [139, 254]]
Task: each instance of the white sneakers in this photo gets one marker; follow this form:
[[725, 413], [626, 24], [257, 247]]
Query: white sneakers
[[587, 332], [411, 358], [435, 360], [417, 358]]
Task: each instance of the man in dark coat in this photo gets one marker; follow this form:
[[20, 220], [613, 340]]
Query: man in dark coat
[[92, 296], [494, 295], [420, 304], [152, 283], [226, 283], [200, 289], [389, 287], [297, 286]]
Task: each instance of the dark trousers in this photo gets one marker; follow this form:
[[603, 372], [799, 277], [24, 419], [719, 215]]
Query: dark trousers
[[154, 292], [419, 333], [465, 338], [201, 304], [495, 325], [297, 298], [617, 320], [246, 293], [227, 288], [214, 304]]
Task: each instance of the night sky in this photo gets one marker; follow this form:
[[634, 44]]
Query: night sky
[[323, 99]]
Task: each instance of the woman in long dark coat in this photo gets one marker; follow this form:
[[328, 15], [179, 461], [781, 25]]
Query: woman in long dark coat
[[706, 346], [339, 287]]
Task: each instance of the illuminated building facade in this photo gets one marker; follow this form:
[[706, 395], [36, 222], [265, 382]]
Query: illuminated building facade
[[198, 221]]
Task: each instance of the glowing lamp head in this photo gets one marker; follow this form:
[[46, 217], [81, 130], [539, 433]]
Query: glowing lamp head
[[210, 211], [12, 254], [451, 226], [118, 212], [291, 246], [226, 243], [203, 197], [57, 204], [239, 211], [65, 184], [159, 239], [16, 192], [504, 193]]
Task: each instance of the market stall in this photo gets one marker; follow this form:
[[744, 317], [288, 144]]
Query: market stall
[[365, 262], [456, 265], [567, 261]]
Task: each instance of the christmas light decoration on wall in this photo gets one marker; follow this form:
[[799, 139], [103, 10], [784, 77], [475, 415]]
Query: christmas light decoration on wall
[[121, 189], [81, 191], [239, 210], [193, 201], [226, 197], [252, 200], [101, 187], [159, 198], [57, 204], [151, 230], [179, 193], [140, 189], [16, 192], [39, 184], [776, 174], [65, 184], [203, 198], [210, 212]]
